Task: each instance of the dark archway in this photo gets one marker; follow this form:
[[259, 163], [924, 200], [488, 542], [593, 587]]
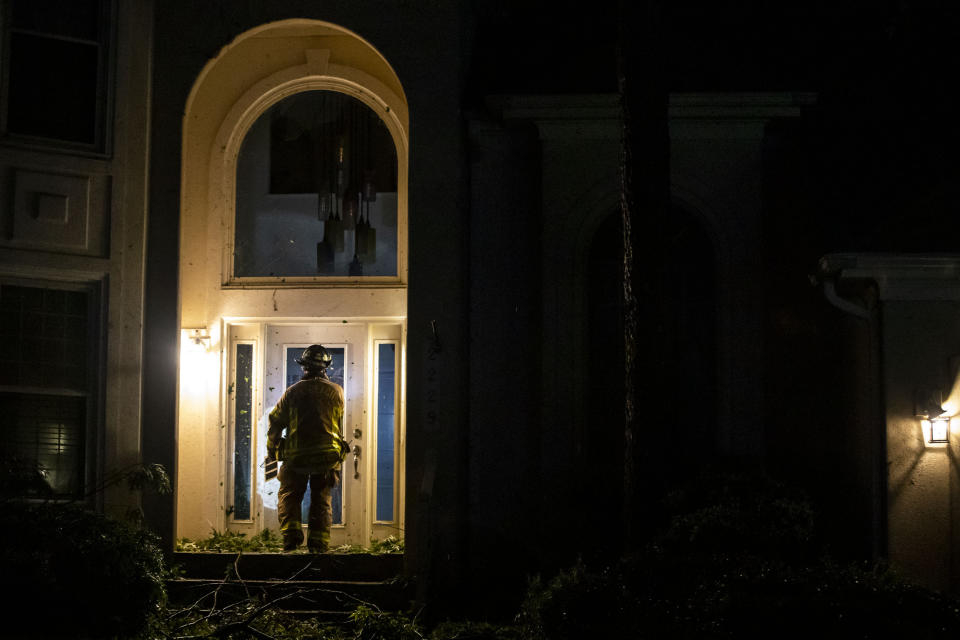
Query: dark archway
[[691, 324], [604, 388], [692, 400]]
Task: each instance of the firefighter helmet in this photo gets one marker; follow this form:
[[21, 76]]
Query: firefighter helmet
[[315, 357]]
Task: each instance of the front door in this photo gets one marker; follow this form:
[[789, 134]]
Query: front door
[[347, 344], [366, 363]]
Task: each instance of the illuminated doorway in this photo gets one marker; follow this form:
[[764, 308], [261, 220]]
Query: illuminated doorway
[[367, 364], [293, 231]]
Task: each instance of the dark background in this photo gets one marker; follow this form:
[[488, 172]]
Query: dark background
[[880, 148], [869, 167]]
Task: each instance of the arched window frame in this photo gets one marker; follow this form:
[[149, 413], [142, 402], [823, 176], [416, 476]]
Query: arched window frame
[[317, 74]]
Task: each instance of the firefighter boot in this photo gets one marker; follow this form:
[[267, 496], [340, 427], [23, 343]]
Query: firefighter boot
[[292, 539]]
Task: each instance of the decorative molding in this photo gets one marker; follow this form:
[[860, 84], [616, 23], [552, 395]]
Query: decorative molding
[[317, 61], [25, 263], [905, 277], [691, 115], [738, 106], [51, 211], [233, 129]]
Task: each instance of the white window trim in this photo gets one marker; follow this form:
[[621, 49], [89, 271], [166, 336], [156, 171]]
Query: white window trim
[[317, 74]]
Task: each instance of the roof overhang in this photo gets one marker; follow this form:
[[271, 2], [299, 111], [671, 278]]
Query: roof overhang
[[913, 276]]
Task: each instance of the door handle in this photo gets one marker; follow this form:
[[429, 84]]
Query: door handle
[[356, 462]]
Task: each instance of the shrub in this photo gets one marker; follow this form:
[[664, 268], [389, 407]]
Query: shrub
[[77, 574], [577, 603], [738, 558], [269, 542], [232, 542], [468, 630], [373, 624]]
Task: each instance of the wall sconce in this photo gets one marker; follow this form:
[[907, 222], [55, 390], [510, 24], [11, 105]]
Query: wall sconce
[[939, 430], [936, 424], [196, 339]]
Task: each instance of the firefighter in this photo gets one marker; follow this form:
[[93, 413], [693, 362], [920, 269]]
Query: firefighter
[[310, 412]]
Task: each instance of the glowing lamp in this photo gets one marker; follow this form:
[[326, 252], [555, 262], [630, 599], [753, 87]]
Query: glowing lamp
[[196, 339], [323, 205], [935, 420], [939, 429]]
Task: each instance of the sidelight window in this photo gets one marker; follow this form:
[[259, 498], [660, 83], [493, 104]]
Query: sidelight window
[[386, 414], [243, 431]]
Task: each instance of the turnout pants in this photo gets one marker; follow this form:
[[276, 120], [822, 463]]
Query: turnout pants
[[293, 485]]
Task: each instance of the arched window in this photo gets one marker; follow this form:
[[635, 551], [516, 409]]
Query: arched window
[[316, 191]]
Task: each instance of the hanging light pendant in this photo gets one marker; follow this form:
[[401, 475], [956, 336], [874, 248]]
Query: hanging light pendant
[[367, 245], [325, 257], [369, 191], [364, 232], [323, 204], [333, 229], [371, 252], [368, 249], [351, 209]]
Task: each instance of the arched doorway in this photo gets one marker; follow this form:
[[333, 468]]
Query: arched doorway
[[293, 231], [690, 327]]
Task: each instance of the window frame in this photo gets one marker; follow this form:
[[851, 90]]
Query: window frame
[[375, 430], [233, 385], [283, 278], [102, 145], [236, 126], [95, 391]]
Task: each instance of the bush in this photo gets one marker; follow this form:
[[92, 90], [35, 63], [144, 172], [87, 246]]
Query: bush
[[232, 542], [269, 542], [738, 558], [468, 630], [577, 603], [77, 574], [373, 624]]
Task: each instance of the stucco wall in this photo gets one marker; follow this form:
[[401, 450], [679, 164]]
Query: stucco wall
[[919, 329], [919, 339]]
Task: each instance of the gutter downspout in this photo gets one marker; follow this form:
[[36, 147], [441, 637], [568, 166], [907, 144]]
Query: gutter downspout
[[828, 277], [829, 270], [844, 304]]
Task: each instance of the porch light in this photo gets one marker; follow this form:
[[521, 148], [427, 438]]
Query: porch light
[[934, 417], [196, 339], [199, 362], [939, 430]]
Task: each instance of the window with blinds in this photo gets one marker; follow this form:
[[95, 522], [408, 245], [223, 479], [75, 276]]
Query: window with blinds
[[47, 354]]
